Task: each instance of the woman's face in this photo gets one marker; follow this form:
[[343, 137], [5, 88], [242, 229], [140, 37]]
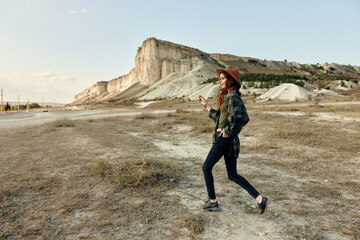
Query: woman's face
[[223, 80]]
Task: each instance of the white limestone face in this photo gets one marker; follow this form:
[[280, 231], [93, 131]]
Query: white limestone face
[[156, 63]]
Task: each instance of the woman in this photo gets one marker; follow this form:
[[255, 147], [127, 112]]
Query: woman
[[229, 119]]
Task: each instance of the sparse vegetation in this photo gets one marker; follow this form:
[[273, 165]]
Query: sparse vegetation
[[138, 173], [265, 77], [267, 80], [322, 78], [145, 116], [64, 122], [214, 80], [85, 181], [195, 223], [23, 107]]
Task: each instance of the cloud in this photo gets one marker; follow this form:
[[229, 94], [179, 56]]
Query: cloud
[[48, 84], [72, 11], [83, 11]]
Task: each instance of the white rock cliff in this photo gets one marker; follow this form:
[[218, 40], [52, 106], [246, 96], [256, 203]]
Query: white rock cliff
[[155, 60]]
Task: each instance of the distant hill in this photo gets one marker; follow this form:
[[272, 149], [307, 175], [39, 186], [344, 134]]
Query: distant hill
[[166, 70]]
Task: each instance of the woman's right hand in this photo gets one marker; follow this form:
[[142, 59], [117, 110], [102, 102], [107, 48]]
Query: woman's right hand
[[202, 101]]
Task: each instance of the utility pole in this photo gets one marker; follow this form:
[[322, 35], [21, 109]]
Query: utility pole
[[27, 107], [18, 102], [2, 100]]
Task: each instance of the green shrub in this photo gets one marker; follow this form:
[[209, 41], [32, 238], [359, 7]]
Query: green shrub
[[213, 80], [262, 64], [34, 105]]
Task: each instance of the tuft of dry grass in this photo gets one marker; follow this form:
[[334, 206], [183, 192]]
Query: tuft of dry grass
[[195, 223], [293, 133], [135, 173], [7, 191], [180, 110], [64, 122], [145, 116], [200, 123]]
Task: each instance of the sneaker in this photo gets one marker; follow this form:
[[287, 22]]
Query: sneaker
[[263, 205], [210, 206]]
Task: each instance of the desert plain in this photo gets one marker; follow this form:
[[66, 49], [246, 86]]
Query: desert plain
[[133, 171]]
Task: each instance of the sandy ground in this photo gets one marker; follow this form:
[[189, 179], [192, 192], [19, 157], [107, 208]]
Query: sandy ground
[[308, 166]]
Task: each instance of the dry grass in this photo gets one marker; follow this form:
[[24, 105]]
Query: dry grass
[[199, 122], [194, 222], [51, 189], [131, 173], [145, 116], [312, 134], [105, 179], [310, 159], [316, 108], [64, 122]]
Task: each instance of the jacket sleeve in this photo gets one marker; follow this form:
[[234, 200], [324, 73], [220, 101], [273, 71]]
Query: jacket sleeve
[[237, 115], [213, 114]]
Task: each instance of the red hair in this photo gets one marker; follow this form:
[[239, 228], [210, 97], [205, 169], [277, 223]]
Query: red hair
[[231, 85]]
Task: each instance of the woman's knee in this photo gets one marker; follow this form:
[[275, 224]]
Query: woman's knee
[[232, 176], [206, 168]]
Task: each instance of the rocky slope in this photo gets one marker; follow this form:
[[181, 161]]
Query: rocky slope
[[164, 69], [314, 71]]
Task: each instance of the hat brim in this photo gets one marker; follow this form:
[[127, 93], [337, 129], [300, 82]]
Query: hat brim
[[221, 70]]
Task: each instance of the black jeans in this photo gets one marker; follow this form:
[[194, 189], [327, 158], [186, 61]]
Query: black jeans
[[220, 148]]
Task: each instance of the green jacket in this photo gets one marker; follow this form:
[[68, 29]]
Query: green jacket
[[237, 117]]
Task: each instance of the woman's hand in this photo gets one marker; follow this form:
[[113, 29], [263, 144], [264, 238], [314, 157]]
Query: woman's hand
[[202, 101], [223, 134]]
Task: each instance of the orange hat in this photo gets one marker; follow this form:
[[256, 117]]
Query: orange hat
[[232, 72]]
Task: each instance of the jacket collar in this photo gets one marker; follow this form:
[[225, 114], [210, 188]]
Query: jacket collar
[[234, 92]]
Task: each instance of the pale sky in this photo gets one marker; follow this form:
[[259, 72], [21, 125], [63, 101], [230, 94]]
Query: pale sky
[[54, 49]]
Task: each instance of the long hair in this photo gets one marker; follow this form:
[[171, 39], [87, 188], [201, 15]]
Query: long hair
[[231, 85]]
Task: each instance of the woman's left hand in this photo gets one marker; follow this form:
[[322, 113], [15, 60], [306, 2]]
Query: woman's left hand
[[223, 134]]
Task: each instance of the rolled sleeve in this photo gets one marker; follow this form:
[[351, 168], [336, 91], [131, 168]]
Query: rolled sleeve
[[213, 114]]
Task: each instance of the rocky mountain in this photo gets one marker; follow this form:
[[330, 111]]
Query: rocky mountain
[[164, 69], [155, 60]]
